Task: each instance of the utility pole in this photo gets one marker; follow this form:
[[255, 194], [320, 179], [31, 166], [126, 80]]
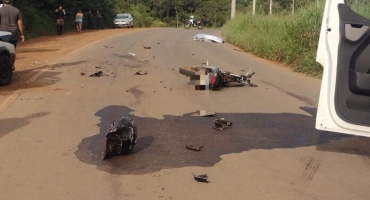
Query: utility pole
[[254, 7], [233, 5], [293, 8], [270, 7]]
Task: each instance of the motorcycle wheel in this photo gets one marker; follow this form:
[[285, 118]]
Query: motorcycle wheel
[[187, 26], [200, 27], [234, 84]]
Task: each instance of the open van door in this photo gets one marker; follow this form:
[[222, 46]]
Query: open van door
[[344, 53]]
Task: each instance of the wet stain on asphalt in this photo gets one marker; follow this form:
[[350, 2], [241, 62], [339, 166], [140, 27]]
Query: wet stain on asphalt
[[129, 61], [161, 142], [136, 92]]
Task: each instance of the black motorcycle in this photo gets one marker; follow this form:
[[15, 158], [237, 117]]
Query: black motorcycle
[[120, 138], [192, 22]]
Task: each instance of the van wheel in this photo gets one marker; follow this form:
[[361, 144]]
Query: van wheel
[[6, 70]]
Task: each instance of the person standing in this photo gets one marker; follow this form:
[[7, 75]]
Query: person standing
[[60, 14], [98, 19], [11, 21], [90, 17], [79, 20]]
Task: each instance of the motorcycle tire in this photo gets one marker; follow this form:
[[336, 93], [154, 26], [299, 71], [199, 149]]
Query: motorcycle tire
[[187, 26], [200, 27], [187, 71], [105, 153], [6, 70]]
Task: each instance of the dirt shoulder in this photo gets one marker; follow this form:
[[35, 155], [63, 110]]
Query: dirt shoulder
[[41, 52]]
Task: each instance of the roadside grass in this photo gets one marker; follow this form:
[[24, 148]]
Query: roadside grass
[[283, 38], [288, 39]]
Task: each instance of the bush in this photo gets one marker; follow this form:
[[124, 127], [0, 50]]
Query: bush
[[158, 23]]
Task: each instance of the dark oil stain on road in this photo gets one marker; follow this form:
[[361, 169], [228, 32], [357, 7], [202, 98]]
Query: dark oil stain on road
[[161, 142]]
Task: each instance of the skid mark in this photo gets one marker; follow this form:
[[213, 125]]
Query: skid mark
[[311, 165]]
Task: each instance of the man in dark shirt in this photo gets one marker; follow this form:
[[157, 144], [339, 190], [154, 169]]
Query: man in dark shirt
[[99, 19], [11, 21], [60, 14], [90, 17]]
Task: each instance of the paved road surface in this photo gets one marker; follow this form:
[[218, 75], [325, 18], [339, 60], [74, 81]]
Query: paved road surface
[[51, 134]]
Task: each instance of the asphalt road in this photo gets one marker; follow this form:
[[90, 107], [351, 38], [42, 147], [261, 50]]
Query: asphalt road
[[51, 135]]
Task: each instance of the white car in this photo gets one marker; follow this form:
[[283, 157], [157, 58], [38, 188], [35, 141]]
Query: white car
[[7, 59], [343, 51], [123, 20]]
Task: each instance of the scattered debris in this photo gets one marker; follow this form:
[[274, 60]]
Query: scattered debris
[[98, 74], [141, 73], [132, 54], [208, 38], [238, 50], [221, 124], [100, 67], [191, 147], [158, 43], [146, 47], [202, 113], [201, 178], [37, 63], [83, 74]]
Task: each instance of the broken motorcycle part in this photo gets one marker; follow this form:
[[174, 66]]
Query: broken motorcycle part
[[98, 74], [141, 73], [120, 138], [201, 178], [191, 147], [221, 124], [202, 113], [147, 47]]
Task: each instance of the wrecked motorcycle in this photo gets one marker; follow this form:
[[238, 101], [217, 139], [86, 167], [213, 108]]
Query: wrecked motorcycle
[[192, 22], [120, 138], [217, 77]]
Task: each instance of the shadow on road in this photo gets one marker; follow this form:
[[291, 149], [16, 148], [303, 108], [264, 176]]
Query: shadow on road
[[161, 143], [17, 84], [12, 124]]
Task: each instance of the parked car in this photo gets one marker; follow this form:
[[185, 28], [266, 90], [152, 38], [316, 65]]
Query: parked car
[[123, 20], [343, 51], [7, 59]]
